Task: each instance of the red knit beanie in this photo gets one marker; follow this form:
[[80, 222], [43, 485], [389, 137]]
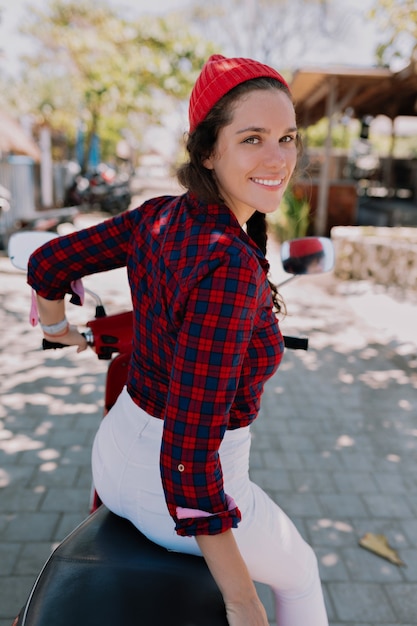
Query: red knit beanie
[[218, 76], [305, 246]]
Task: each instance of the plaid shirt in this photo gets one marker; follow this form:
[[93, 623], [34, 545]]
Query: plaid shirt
[[205, 337]]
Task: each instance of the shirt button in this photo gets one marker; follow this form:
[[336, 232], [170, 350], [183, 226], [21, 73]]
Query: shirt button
[[181, 467]]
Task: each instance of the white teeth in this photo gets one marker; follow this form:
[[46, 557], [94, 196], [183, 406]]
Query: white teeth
[[267, 183]]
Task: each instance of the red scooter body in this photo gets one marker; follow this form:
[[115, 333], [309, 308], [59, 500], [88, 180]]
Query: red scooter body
[[113, 335]]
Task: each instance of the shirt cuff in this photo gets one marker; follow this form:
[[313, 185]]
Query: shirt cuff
[[184, 513], [191, 522]]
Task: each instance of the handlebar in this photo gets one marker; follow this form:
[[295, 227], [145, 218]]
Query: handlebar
[[296, 343], [108, 334], [292, 343]]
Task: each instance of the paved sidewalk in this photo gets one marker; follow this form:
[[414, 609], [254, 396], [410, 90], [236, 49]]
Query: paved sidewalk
[[335, 445]]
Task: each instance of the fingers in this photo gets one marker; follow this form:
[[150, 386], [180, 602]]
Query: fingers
[[75, 338], [83, 346], [71, 338]]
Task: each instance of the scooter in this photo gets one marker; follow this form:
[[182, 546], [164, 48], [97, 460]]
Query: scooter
[[102, 189], [106, 572], [5, 197]]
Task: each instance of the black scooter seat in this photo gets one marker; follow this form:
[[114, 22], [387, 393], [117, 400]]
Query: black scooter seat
[[106, 573]]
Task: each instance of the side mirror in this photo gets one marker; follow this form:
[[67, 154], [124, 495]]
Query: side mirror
[[307, 255], [21, 245]]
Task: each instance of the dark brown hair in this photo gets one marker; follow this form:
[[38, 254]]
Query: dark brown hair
[[199, 180]]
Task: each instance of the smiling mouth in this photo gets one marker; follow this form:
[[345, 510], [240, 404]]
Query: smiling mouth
[[268, 182]]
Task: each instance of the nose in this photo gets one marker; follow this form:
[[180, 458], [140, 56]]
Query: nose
[[275, 155]]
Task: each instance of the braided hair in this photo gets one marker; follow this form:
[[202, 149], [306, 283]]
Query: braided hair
[[256, 228]]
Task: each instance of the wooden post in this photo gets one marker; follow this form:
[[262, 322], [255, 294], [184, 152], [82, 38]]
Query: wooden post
[[323, 191]]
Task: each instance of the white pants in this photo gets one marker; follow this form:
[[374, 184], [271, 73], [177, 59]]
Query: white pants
[[126, 475]]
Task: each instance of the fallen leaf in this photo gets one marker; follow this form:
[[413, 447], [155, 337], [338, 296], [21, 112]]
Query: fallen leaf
[[378, 544]]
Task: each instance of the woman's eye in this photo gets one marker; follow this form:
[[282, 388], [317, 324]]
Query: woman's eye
[[252, 140], [288, 138]]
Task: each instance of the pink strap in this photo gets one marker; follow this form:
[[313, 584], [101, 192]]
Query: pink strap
[[184, 513], [33, 315]]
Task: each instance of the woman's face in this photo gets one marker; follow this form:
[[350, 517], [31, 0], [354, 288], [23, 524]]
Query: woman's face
[[255, 155]]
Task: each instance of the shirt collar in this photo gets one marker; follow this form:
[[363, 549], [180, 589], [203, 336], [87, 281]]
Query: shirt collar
[[221, 214]]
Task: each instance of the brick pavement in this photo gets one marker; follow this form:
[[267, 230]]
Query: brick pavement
[[335, 444]]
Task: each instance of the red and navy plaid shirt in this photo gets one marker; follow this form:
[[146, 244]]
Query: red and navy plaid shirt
[[205, 337]]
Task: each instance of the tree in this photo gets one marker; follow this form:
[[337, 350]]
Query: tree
[[277, 32], [398, 26], [94, 67]]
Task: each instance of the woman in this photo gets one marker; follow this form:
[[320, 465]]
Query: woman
[[172, 455]]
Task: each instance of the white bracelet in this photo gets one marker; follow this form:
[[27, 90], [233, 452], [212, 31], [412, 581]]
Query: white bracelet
[[54, 329]]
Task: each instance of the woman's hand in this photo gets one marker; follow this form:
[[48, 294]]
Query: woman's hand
[[222, 555], [52, 312], [71, 338], [251, 613]]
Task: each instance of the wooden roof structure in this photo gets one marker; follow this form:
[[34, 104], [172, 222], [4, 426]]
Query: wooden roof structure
[[366, 91], [324, 92]]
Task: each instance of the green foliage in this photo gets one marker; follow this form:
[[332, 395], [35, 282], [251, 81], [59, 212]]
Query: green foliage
[[315, 136], [397, 20], [344, 135], [94, 67], [292, 218]]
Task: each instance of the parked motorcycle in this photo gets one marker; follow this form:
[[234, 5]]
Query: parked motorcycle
[[5, 197], [106, 572], [101, 189]]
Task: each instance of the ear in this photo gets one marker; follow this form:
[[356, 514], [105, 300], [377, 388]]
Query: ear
[[208, 163]]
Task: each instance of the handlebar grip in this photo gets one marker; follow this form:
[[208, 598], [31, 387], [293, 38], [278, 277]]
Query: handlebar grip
[[296, 343], [52, 345]]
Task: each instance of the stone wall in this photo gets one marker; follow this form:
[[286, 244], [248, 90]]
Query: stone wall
[[387, 256]]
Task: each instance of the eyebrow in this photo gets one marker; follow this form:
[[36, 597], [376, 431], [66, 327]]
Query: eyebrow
[[260, 129]]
